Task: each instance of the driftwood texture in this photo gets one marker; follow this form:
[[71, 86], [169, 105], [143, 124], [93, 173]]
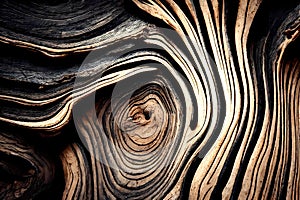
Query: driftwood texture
[[149, 99]]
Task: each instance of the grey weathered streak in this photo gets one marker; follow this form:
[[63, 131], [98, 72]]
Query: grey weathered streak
[[161, 135]]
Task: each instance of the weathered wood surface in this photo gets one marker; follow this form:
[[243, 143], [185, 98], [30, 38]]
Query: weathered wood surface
[[149, 99]]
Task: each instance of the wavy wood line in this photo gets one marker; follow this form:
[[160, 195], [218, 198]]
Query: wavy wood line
[[155, 99], [58, 28], [76, 171]]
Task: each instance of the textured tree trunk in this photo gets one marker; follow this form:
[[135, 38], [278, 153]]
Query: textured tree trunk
[[149, 99]]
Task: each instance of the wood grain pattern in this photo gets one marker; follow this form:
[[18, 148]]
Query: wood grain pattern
[[76, 171], [150, 99], [25, 172]]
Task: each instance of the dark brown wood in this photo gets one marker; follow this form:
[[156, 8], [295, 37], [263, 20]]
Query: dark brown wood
[[25, 172], [150, 99]]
